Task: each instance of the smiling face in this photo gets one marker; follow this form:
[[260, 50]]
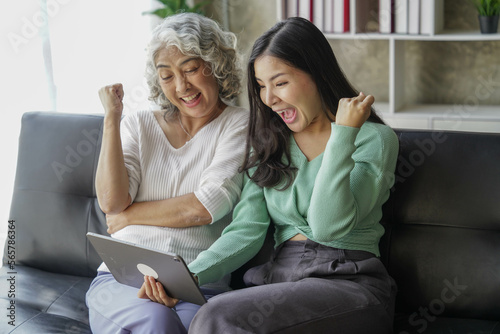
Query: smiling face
[[291, 93], [187, 83]]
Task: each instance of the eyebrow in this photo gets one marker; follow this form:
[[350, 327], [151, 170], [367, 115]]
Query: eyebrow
[[272, 78], [182, 63]]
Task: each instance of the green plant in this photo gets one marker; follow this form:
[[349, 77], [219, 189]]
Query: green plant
[[487, 7], [171, 7]]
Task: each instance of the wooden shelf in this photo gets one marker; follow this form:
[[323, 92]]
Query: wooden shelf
[[445, 36], [398, 111]]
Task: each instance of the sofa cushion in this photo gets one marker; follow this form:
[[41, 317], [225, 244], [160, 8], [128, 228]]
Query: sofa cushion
[[54, 202], [44, 302], [443, 225]]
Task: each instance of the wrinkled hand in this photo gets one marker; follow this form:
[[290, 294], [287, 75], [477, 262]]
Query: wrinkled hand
[[112, 99], [354, 111], [154, 290], [116, 222]]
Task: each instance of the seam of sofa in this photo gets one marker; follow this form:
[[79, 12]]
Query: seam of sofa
[[96, 159], [25, 321], [493, 329], [417, 223], [17, 327], [62, 294], [93, 203], [35, 113], [87, 243]]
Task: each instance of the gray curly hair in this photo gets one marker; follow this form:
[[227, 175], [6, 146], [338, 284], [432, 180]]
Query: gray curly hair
[[199, 36]]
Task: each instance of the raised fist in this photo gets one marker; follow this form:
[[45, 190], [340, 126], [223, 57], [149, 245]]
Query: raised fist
[[354, 111], [112, 99]]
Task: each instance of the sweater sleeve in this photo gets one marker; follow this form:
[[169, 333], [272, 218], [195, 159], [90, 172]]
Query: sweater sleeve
[[358, 167], [221, 182], [240, 240], [129, 132]]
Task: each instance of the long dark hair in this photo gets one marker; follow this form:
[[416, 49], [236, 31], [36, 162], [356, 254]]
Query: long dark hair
[[302, 45]]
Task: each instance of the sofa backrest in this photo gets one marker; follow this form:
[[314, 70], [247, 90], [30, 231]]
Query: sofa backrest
[[442, 220], [54, 203], [442, 241]]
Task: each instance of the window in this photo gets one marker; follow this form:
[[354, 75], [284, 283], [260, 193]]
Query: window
[[56, 54]]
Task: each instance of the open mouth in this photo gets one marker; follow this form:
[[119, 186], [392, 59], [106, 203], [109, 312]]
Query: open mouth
[[288, 115], [191, 99]]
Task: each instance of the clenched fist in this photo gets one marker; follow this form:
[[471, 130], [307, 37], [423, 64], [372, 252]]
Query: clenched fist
[[354, 111], [112, 99]]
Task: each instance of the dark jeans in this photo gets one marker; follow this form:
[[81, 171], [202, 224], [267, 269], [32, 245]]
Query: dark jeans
[[306, 288]]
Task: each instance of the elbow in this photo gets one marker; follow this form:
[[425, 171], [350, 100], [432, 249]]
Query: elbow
[[110, 209], [196, 214], [201, 217], [112, 206], [200, 221]]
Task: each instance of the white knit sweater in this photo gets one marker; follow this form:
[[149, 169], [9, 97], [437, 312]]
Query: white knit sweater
[[206, 165]]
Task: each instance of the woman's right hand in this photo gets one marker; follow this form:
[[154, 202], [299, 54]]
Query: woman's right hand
[[153, 290], [112, 183], [112, 99]]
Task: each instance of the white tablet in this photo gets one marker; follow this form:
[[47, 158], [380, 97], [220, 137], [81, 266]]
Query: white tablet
[[129, 263]]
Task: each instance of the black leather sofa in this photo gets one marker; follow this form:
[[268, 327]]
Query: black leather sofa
[[442, 241]]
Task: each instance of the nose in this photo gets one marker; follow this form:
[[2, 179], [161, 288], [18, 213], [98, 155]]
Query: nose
[[270, 98], [181, 84]]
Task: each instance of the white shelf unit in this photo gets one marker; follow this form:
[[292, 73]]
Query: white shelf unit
[[398, 112]]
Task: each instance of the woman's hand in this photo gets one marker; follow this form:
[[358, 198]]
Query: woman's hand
[[154, 291], [116, 222], [112, 99], [354, 111]]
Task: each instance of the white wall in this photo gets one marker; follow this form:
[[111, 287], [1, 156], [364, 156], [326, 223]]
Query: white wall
[[93, 43]]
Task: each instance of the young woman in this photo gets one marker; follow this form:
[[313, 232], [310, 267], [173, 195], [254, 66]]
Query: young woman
[[320, 164], [169, 178]]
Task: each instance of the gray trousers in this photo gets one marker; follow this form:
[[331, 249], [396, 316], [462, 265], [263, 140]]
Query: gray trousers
[[306, 288]]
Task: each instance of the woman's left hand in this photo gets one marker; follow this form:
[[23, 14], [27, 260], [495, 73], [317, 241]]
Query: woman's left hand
[[116, 222], [354, 111], [154, 290]]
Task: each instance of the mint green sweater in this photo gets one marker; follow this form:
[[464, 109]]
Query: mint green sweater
[[335, 199]]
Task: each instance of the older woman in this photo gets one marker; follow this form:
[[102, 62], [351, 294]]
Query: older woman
[[168, 179]]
